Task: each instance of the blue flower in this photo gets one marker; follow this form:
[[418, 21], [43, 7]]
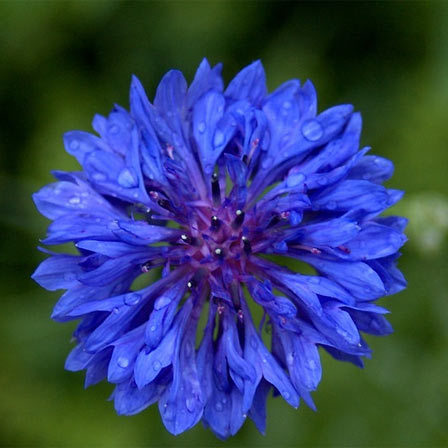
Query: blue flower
[[207, 190]]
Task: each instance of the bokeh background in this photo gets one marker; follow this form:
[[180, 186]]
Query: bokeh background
[[62, 62]]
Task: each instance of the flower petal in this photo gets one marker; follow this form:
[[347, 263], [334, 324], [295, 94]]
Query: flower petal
[[249, 84], [58, 272], [206, 114]]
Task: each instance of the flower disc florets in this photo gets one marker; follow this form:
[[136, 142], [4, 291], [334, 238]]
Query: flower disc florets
[[210, 185]]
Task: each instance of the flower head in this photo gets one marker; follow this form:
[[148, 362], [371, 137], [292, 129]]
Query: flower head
[[211, 187]]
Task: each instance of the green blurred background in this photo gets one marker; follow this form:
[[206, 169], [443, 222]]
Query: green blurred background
[[62, 62]]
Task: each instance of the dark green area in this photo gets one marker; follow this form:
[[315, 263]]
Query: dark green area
[[62, 62]]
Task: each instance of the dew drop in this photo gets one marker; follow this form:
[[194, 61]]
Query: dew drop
[[99, 177], [190, 403], [322, 181], [69, 276], [290, 359], [312, 130], [331, 205], [153, 328], [311, 364], [285, 140], [123, 362], [295, 179], [156, 365], [254, 342], [127, 178], [168, 413], [162, 302], [132, 299], [267, 162], [201, 127], [218, 139], [286, 395], [113, 225], [74, 145], [116, 310], [114, 129], [287, 105], [74, 200], [218, 406]]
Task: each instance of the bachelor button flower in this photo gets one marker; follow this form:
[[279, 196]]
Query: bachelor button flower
[[212, 187]]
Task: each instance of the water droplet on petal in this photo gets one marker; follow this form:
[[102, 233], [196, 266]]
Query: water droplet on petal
[[74, 145], [201, 127], [162, 302], [114, 129], [69, 276], [218, 139], [156, 366], [113, 225], [287, 105], [294, 179], [254, 342], [74, 200], [116, 310], [127, 178], [312, 130], [311, 364], [153, 328], [122, 362], [218, 406], [286, 395], [322, 181], [99, 177], [190, 403], [285, 140], [168, 413], [267, 162], [132, 299], [331, 205]]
